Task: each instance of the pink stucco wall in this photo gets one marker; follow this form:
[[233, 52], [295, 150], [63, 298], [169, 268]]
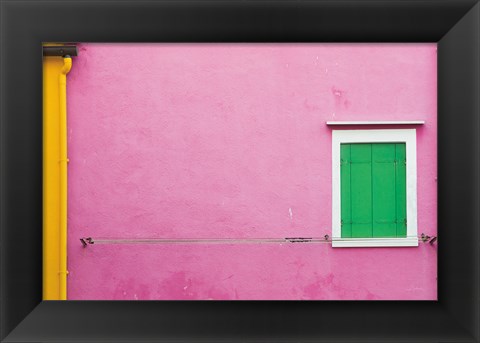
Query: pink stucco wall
[[229, 140]]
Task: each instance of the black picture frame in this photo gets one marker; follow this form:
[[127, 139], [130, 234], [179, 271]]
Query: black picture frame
[[454, 24]]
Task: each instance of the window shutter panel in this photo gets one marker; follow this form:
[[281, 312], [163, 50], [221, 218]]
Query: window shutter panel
[[361, 189], [373, 190]]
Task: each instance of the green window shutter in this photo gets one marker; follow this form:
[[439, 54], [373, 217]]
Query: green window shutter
[[373, 190], [361, 189]]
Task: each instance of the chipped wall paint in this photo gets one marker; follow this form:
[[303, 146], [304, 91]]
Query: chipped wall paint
[[217, 140]]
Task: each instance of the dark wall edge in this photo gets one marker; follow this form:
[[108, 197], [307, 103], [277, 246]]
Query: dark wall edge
[[25, 25], [458, 96]]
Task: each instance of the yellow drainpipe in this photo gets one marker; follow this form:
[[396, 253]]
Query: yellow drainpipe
[[55, 70], [62, 80]]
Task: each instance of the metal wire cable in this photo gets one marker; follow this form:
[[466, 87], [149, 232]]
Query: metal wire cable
[[326, 239]]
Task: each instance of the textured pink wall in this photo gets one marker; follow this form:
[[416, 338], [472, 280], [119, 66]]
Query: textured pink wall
[[222, 140]]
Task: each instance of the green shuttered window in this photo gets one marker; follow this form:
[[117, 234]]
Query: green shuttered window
[[373, 190]]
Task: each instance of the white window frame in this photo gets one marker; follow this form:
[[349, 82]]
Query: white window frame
[[407, 136]]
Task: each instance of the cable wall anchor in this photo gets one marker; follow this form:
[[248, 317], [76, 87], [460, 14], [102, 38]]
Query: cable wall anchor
[[86, 240]]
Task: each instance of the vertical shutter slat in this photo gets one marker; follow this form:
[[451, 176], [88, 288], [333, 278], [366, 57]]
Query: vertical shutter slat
[[345, 191], [383, 176], [401, 190]]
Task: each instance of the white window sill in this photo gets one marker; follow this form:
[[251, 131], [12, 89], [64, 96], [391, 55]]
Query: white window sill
[[376, 122], [374, 242]]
